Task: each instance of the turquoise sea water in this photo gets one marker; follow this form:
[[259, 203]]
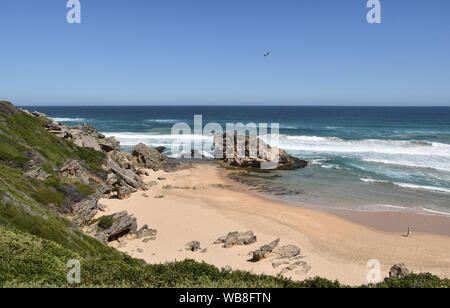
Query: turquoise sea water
[[364, 158]]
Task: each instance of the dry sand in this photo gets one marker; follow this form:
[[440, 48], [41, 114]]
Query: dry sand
[[198, 207]]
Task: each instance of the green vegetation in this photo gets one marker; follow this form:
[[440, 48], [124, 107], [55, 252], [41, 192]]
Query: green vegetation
[[105, 222], [36, 241], [30, 261]]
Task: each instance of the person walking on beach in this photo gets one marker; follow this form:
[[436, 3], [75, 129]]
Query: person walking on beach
[[409, 234]]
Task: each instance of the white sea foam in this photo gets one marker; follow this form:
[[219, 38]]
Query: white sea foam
[[423, 187], [131, 139], [372, 180], [164, 120], [398, 152], [435, 212], [69, 119]]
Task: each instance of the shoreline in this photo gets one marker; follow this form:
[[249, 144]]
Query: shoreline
[[202, 205], [386, 221]]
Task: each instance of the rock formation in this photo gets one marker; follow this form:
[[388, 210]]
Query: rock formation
[[251, 152], [288, 251], [149, 157], [82, 136], [114, 227], [236, 238], [265, 250]]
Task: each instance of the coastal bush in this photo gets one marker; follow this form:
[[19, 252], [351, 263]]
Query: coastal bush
[[30, 261], [105, 222]]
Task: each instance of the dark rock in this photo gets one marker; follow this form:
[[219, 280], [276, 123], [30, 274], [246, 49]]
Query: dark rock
[[252, 152], [160, 149], [398, 271], [193, 246], [265, 250]]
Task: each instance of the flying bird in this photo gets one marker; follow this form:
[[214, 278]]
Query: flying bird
[[267, 54]]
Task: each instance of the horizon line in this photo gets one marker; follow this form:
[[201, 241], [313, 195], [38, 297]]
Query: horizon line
[[245, 105]]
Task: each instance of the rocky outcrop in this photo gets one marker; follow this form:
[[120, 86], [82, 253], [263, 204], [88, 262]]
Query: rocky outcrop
[[74, 171], [115, 226], [125, 179], [37, 173], [85, 210], [236, 238], [149, 157], [83, 136], [398, 271], [265, 250], [251, 152]]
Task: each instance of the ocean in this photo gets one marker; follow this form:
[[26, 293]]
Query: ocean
[[362, 158]]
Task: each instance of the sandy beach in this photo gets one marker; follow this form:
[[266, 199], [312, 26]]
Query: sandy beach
[[201, 204]]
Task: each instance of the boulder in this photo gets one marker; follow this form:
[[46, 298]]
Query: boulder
[[118, 225], [288, 251], [109, 144], [265, 250], [193, 246], [87, 141], [124, 192], [145, 231], [398, 271], [236, 238], [151, 158], [251, 152]]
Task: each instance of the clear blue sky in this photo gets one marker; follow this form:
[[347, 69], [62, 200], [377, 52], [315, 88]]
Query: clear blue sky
[[211, 52]]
